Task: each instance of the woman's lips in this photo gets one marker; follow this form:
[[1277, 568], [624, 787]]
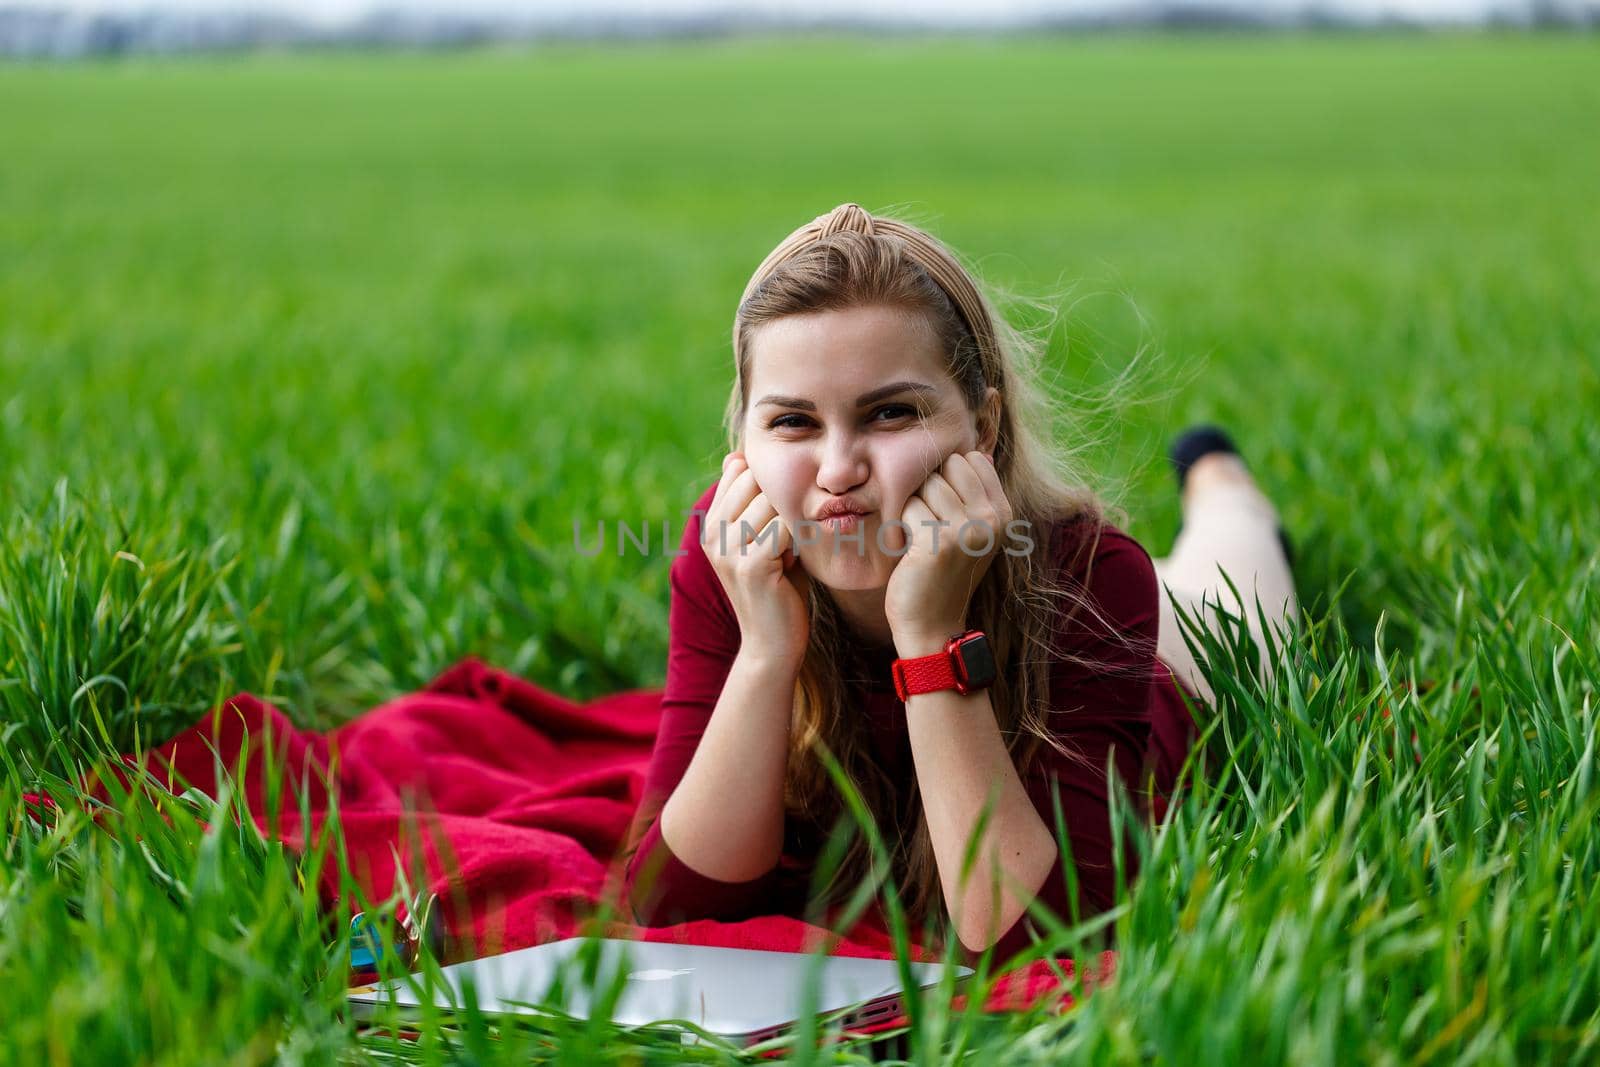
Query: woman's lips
[[846, 522]]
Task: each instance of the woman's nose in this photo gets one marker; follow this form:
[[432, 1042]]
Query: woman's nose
[[842, 465]]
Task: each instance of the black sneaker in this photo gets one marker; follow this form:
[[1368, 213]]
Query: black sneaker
[[1202, 440]]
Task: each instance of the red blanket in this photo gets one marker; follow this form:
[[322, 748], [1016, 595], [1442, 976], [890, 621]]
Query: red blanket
[[528, 798]]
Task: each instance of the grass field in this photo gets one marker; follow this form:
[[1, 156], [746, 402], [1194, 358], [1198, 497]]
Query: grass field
[[307, 364]]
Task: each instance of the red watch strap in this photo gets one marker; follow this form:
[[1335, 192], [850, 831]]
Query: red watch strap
[[924, 674]]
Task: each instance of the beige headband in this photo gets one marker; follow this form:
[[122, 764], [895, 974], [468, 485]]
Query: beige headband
[[928, 254]]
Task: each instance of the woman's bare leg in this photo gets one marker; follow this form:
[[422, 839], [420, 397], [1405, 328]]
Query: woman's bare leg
[[1229, 526]]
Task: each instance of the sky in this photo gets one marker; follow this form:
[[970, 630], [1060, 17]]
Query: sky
[[944, 10]]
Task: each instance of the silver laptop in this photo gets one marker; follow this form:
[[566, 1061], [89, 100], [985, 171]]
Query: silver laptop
[[744, 995]]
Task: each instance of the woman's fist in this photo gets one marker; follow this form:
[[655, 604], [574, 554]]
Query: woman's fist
[[752, 551], [954, 524]]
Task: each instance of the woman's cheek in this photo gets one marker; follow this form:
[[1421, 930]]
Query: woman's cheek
[[784, 480], [903, 471]]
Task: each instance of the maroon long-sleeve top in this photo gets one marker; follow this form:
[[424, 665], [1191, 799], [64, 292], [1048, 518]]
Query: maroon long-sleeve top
[[1127, 709]]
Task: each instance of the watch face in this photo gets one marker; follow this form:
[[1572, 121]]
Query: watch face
[[975, 662]]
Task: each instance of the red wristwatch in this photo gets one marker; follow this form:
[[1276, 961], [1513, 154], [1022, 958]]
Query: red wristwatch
[[965, 665]]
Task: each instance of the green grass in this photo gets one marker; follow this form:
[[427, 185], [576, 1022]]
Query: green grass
[[309, 362]]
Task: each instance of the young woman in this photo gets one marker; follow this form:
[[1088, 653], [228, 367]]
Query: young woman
[[891, 485]]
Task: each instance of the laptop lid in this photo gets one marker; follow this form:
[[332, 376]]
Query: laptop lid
[[735, 993]]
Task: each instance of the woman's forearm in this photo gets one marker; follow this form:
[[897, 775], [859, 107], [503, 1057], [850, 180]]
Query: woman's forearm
[[963, 766], [725, 818]]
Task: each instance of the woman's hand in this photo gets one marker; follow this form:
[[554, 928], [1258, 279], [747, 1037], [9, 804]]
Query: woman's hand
[[752, 551], [957, 521]]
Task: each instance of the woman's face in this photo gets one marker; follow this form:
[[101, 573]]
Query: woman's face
[[851, 405]]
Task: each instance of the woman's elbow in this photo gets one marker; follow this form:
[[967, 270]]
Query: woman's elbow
[[662, 892], [991, 912]]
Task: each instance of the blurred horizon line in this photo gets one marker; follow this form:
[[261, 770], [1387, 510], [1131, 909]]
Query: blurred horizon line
[[68, 29]]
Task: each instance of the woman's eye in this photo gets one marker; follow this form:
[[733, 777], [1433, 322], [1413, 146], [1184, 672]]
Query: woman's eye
[[782, 422], [895, 411]]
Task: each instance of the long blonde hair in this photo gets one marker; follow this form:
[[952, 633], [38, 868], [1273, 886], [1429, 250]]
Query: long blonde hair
[[847, 259]]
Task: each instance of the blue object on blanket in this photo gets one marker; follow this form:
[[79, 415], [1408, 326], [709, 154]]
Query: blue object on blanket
[[366, 943], [368, 947]]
